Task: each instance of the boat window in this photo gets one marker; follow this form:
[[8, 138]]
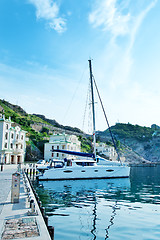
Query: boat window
[[96, 170], [79, 163], [58, 164], [85, 163], [91, 164], [109, 170], [67, 171], [83, 171]]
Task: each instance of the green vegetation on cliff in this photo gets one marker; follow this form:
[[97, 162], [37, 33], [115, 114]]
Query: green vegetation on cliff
[[121, 131], [36, 138], [129, 131], [19, 116]]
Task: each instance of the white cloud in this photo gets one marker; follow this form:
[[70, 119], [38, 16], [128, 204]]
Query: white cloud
[[109, 17], [120, 19], [49, 10], [137, 21], [129, 97], [117, 18]]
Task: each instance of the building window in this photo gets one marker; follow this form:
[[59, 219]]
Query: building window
[[5, 145], [57, 147], [16, 146], [63, 146], [57, 154], [21, 146], [17, 136], [6, 136], [52, 147], [6, 126], [52, 154], [22, 137], [11, 145], [12, 135]]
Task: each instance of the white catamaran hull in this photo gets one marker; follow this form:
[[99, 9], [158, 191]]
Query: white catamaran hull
[[81, 172]]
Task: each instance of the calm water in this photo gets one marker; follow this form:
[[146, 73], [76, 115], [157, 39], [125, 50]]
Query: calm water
[[105, 209]]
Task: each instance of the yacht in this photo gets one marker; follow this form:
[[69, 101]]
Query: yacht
[[88, 165]]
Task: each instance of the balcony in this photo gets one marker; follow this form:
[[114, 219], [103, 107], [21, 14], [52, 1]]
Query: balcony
[[18, 141], [18, 151]]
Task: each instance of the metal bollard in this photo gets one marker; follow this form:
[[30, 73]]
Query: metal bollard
[[33, 207], [46, 220], [31, 202], [51, 232], [30, 172], [1, 167], [33, 173], [40, 204], [42, 211]]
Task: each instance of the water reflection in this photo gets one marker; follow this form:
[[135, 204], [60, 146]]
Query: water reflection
[[95, 209], [88, 195], [111, 220], [94, 220], [80, 193]]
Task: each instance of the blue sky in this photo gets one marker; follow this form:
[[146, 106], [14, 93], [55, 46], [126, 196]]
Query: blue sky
[[44, 52]]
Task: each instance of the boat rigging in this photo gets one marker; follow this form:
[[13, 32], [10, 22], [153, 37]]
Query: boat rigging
[[88, 167]]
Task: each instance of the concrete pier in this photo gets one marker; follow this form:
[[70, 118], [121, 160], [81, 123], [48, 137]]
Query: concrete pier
[[22, 220]]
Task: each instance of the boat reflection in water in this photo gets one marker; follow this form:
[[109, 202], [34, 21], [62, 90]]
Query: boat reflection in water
[[101, 209], [83, 209]]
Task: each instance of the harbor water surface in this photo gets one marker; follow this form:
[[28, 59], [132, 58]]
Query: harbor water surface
[[113, 209]]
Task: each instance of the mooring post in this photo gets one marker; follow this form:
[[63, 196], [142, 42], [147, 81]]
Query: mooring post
[[40, 204], [51, 232], [42, 210], [1, 167], [46, 220], [30, 172], [33, 173]]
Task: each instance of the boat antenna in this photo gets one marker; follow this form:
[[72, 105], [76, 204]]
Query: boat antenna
[[93, 109], [106, 120]]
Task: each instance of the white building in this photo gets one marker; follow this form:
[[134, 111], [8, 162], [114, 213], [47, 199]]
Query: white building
[[12, 142], [62, 142], [107, 150]]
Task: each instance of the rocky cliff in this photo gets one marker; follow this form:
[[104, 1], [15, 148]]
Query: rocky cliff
[[138, 144]]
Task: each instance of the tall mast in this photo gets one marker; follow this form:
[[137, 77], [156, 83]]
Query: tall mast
[[93, 110]]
